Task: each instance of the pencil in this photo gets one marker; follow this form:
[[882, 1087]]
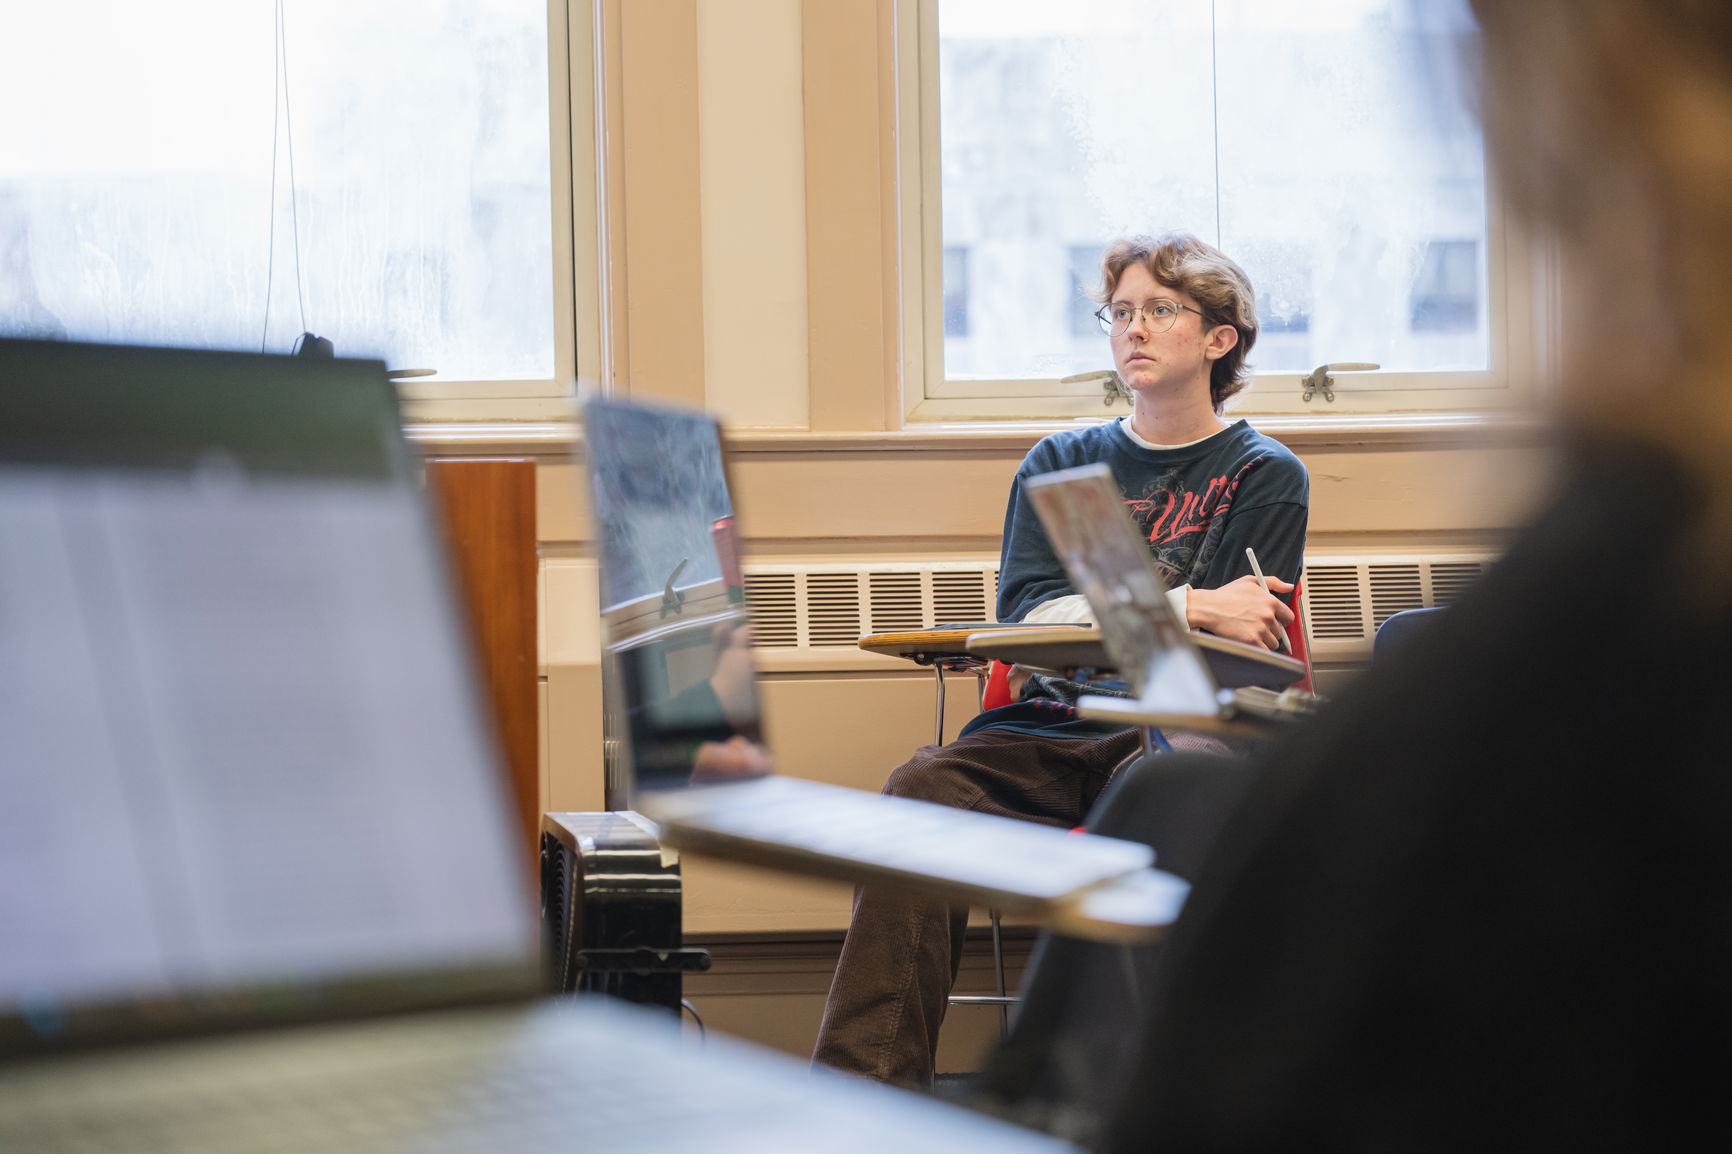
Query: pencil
[[1251, 556]]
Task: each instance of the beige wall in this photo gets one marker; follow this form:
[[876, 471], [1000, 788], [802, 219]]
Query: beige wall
[[751, 154]]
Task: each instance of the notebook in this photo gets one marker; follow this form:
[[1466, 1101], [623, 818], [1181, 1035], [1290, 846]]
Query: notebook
[[688, 730], [259, 881], [1107, 561]]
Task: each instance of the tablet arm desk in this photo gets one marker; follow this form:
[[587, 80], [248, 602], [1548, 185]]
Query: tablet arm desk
[[945, 650]]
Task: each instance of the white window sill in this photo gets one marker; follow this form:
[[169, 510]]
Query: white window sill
[[1384, 430]]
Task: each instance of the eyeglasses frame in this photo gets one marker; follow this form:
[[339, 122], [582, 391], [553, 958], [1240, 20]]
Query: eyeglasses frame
[[1101, 317]]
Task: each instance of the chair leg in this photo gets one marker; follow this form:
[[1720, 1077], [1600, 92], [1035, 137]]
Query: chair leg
[[998, 972], [1002, 999]]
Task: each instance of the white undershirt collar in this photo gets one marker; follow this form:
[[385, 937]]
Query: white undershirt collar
[[1125, 424]]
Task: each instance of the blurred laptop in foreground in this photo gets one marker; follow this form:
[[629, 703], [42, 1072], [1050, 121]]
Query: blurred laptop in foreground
[[259, 881]]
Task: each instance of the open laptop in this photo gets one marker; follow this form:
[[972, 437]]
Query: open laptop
[[686, 719], [259, 883], [1107, 561]]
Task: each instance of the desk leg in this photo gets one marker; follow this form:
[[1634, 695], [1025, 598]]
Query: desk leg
[[938, 732]]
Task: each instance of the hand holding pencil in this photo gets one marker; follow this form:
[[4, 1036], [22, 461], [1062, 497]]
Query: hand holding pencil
[[1251, 556]]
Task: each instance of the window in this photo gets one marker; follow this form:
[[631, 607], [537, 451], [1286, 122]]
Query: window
[[377, 172], [1325, 147]]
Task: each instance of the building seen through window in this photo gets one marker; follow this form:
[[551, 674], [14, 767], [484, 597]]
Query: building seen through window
[[1085, 281], [1308, 141], [956, 295], [1446, 291]]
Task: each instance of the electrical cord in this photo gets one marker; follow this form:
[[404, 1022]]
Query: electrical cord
[[281, 101], [693, 1011]]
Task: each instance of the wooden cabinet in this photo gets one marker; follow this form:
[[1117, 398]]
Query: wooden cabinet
[[488, 506]]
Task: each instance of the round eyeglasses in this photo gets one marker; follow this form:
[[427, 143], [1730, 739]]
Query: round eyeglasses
[[1158, 315]]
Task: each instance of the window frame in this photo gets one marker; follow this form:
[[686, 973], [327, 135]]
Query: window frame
[[1519, 304]]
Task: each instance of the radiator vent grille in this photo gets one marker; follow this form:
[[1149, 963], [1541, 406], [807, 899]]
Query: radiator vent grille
[[832, 605], [829, 606], [1334, 602], [1345, 602], [813, 615], [896, 601], [775, 609], [1448, 580], [1394, 588], [963, 596]]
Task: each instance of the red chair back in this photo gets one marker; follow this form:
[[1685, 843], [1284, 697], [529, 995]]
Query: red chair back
[[997, 690], [1296, 637]]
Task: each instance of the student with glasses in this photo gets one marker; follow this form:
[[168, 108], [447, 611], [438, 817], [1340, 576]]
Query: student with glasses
[[1181, 319]]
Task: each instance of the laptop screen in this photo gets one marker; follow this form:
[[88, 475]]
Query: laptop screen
[[246, 775], [681, 680], [1107, 561]]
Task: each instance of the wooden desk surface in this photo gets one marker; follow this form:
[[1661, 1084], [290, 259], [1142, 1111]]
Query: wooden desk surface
[[927, 645], [1064, 649]]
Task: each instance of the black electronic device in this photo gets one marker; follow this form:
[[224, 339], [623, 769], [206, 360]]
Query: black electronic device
[[311, 345], [610, 910]]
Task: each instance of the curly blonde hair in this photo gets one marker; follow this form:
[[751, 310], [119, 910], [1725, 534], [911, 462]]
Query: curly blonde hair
[[1207, 275]]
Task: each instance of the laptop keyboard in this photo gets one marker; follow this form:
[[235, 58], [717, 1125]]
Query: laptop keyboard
[[910, 837], [490, 1082], [395, 1088]]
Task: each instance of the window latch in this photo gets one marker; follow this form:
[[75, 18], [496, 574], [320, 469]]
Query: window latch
[[1320, 380], [1112, 388], [672, 599]]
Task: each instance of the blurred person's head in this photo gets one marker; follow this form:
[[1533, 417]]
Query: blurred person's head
[[1610, 124], [1209, 277]]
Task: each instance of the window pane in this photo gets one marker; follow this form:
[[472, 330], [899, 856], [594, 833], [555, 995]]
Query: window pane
[[1340, 169], [136, 199], [1310, 142]]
